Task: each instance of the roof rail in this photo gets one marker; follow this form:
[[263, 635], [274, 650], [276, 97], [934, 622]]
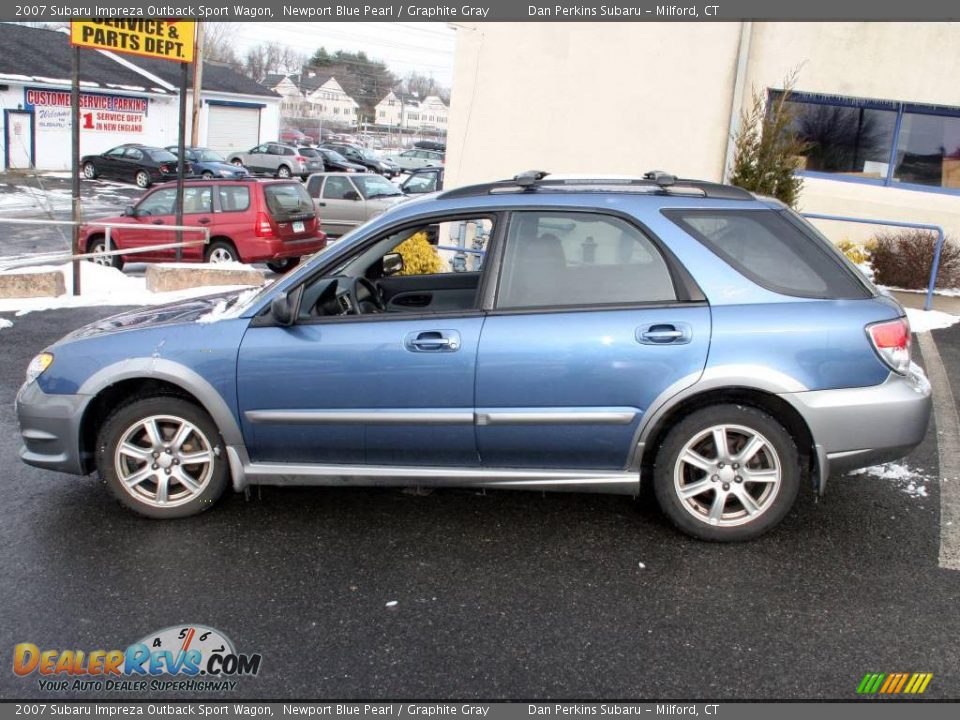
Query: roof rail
[[655, 181]]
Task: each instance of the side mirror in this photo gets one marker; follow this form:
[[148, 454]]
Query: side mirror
[[282, 310], [351, 195], [129, 211], [392, 264]]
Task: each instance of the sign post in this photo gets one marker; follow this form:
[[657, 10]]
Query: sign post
[[161, 39], [75, 162]]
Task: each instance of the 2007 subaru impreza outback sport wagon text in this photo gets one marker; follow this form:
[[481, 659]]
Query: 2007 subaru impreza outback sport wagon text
[[586, 335]]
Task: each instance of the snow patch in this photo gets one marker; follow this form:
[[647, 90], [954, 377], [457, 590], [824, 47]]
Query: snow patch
[[392, 604], [926, 320], [910, 481], [4, 323], [104, 286]]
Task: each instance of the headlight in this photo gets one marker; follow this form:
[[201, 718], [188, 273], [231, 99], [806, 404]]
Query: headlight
[[38, 365]]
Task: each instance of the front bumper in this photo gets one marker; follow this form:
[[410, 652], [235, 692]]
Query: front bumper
[[859, 427], [50, 429]]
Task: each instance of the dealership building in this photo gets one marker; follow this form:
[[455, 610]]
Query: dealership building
[[878, 103], [124, 99]]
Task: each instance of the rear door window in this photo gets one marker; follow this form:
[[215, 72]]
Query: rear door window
[[772, 251], [559, 259], [287, 200]]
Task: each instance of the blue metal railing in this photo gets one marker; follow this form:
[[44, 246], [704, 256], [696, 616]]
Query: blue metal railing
[[928, 303]]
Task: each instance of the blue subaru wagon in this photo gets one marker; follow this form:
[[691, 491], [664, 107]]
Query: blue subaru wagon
[[538, 333]]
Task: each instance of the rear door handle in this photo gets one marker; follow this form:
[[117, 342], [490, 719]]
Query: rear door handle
[[158, 222], [204, 221], [432, 341], [667, 333]]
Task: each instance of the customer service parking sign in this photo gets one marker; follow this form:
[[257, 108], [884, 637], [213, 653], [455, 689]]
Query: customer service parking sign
[[163, 39]]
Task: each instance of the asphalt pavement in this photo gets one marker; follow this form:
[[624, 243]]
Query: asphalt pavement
[[499, 595]]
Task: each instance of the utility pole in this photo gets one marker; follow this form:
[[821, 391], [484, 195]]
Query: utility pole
[[197, 85], [181, 153], [75, 162]]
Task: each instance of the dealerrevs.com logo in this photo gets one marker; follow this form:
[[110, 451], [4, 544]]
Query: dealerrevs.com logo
[[179, 658]]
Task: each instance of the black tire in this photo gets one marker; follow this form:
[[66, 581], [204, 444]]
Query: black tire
[[283, 266], [206, 175], [90, 171], [98, 243], [127, 418], [283, 172], [236, 162], [691, 515], [141, 179], [217, 250]]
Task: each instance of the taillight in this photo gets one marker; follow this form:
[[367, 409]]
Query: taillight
[[891, 340], [300, 159], [164, 168], [263, 228]]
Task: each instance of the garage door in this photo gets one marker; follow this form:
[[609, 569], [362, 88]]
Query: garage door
[[232, 129]]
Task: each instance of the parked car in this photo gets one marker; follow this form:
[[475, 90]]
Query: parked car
[[426, 180], [292, 136], [313, 155], [682, 334], [272, 221], [416, 159], [282, 161], [333, 160], [208, 163], [431, 145], [370, 159], [142, 165], [345, 201]]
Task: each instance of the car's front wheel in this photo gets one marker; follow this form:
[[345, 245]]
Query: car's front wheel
[[727, 473], [98, 245], [163, 457], [90, 171]]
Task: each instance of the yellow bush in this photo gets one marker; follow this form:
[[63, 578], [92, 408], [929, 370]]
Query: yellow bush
[[856, 253], [419, 256]]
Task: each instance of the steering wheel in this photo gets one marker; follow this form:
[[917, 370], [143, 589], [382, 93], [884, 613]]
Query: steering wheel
[[371, 303]]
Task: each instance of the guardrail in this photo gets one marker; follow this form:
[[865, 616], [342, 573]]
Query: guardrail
[[938, 248], [108, 241]]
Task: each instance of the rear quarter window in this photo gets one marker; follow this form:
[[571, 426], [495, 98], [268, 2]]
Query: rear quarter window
[[773, 251], [234, 198]]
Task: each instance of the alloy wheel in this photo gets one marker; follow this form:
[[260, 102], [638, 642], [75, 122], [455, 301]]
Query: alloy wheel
[[221, 255], [164, 461], [142, 179], [727, 475], [98, 259]]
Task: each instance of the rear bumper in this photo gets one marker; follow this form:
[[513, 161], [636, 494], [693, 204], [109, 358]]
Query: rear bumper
[[858, 427], [50, 429], [266, 249]]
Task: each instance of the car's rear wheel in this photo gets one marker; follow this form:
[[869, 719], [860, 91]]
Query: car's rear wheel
[[727, 473], [283, 266], [283, 172], [98, 244], [237, 163], [163, 457], [90, 171], [206, 175], [221, 251], [142, 179]]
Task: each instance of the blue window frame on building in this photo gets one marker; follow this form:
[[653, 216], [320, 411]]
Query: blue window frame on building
[[879, 142]]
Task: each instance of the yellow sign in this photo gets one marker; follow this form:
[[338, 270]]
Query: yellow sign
[[163, 39]]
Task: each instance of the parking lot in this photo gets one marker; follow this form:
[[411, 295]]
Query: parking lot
[[498, 595]]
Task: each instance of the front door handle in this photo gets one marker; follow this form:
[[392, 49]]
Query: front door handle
[[432, 341], [157, 222], [668, 333], [204, 221]]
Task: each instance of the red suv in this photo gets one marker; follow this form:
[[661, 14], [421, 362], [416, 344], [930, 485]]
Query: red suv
[[271, 221]]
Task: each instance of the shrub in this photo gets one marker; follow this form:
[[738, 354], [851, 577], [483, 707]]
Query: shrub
[[904, 259], [419, 256], [856, 253], [767, 152]]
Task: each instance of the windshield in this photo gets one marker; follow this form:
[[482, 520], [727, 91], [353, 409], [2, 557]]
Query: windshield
[[162, 156], [370, 154], [210, 156], [374, 186]]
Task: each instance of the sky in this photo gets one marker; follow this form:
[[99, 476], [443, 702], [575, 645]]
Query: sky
[[422, 47]]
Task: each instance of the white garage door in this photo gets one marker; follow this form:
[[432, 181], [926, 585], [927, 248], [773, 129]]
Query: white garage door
[[232, 129]]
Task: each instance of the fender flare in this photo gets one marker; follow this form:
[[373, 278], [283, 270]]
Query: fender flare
[[176, 374]]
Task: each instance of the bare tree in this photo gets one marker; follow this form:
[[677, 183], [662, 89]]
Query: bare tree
[[219, 43], [272, 57], [423, 86]]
